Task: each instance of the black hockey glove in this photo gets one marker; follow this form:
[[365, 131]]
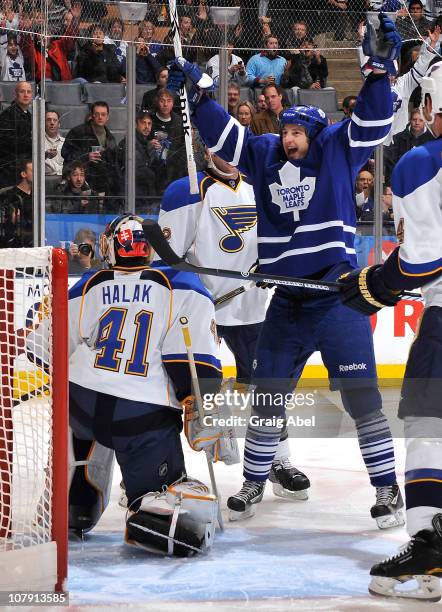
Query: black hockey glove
[[364, 290], [261, 285]]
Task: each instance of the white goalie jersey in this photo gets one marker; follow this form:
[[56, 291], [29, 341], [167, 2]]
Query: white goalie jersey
[[217, 229], [126, 335]]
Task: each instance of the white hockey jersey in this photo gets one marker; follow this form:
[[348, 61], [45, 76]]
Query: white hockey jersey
[[126, 338], [417, 205], [217, 229]]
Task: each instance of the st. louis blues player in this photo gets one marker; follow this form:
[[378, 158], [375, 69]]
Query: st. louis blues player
[[217, 228], [417, 206], [303, 183]]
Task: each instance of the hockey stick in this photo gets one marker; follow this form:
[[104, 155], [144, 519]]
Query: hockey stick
[[184, 102], [199, 404], [155, 237]]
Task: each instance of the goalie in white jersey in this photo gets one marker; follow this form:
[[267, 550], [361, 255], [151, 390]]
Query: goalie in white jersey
[[217, 228], [417, 262], [129, 375]]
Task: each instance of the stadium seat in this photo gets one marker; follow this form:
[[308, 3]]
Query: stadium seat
[[247, 94], [51, 184], [112, 93], [71, 116], [64, 93], [7, 90], [117, 118], [326, 99]]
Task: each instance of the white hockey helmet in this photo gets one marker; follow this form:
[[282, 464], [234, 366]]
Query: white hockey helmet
[[431, 85], [123, 241]]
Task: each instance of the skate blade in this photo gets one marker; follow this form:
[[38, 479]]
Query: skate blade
[[234, 515], [279, 491], [122, 502], [428, 588], [391, 520]]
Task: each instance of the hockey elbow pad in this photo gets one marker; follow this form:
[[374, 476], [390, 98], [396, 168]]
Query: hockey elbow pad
[[364, 290]]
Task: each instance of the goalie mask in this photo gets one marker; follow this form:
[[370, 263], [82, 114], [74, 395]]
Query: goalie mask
[[123, 242]]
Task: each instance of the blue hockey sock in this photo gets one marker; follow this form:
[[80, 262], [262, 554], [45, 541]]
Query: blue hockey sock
[[377, 449], [259, 451]]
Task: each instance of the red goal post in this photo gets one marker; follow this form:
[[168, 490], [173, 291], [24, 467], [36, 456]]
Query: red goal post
[[33, 419]]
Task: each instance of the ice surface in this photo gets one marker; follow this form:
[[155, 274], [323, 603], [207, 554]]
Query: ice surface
[[308, 555]]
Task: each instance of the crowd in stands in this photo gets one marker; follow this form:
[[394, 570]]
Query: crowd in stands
[[271, 50]]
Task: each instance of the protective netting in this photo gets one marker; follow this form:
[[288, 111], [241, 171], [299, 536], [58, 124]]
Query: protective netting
[[26, 459]]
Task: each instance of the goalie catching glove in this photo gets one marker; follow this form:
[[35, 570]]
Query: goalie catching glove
[[216, 439], [364, 290]]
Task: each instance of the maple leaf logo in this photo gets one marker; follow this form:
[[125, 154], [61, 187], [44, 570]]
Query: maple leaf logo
[[292, 195]]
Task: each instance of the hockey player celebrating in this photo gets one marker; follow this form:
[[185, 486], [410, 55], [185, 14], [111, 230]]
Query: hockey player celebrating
[[417, 262], [303, 183], [215, 228], [129, 375]]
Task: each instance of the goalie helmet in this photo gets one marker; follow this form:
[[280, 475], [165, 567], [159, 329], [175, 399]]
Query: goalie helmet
[[431, 85], [311, 118], [123, 242]]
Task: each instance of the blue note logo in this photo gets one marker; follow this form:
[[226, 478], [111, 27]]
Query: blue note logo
[[292, 195], [237, 219]]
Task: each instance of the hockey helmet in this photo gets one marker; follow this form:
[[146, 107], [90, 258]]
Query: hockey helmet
[[431, 84], [123, 239], [311, 118]]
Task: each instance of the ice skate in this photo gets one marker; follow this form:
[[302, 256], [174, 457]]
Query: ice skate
[[287, 481], [241, 504], [420, 560], [122, 500], [388, 509]]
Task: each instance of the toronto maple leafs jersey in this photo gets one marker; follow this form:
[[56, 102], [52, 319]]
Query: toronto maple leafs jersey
[[217, 229], [417, 205], [306, 211], [126, 336]]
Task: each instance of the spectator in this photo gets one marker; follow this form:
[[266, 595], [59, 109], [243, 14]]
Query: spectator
[[261, 104], [336, 17], [233, 98], [149, 98], [316, 64], [418, 24], [55, 16], [57, 53], [76, 194], [188, 36], [115, 37], [348, 104], [53, 144], [414, 135], [267, 122], [296, 73], [146, 163], [236, 69], [11, 60], [98, 62], [9, 20], [16, 213], [266, 67], [93, 144], [82, 252], [146, 30], [298, 35], [147, 65], [15, 133], [168, 141], [245, 113], [364, 193]]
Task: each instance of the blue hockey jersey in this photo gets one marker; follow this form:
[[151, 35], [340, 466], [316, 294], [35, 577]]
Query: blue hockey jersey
[[306, 210]]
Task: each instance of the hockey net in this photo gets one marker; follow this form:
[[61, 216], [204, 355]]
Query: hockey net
[[33, 419]]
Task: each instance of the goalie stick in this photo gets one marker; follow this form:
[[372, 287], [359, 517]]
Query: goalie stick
[[199, 404], [184, 102], [155, 237]]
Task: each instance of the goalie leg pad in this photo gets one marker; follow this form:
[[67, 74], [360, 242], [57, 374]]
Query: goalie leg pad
[[90, 483], [179, 521]]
